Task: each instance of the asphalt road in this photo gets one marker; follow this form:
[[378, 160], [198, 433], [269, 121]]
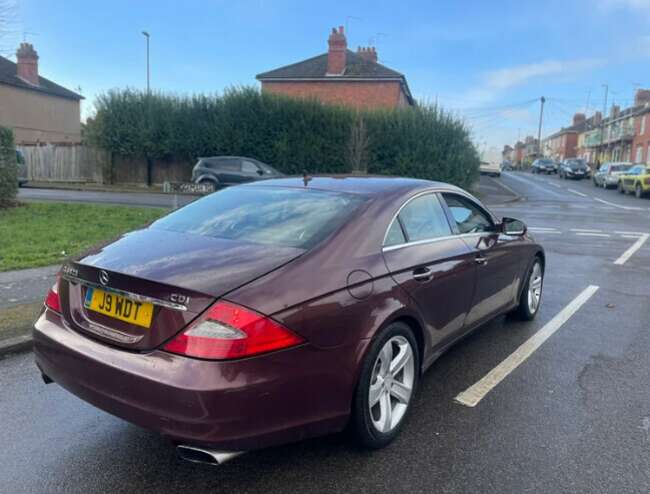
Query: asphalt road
[[573, 417]]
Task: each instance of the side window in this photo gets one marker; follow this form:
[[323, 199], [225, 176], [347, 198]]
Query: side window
[[604, 168], [248, 167], [424, 218], [468, 216], [395, 235]]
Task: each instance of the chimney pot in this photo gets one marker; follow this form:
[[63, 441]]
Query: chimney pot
[[27, 63], [368, 53]]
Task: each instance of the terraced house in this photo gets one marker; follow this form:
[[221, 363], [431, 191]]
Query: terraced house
[[38, 110], [341, 76]]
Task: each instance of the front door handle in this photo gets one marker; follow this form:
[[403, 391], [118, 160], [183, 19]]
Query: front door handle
[[422, 274], [481, 260]]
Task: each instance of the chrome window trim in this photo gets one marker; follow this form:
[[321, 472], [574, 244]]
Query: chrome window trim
[[131, 295], [462, 193], [431, 241]]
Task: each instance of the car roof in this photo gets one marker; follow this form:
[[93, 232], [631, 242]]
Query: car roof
[[369, 185]]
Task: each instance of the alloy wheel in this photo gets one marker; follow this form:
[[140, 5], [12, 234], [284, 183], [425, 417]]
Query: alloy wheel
[[391, 387], [535, 288]]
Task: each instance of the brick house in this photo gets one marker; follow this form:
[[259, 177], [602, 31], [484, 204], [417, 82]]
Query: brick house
[[564, 143], [38, 110], [341, 76], [641, 141]]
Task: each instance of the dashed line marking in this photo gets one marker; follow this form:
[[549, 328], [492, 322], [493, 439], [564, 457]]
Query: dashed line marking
[[587, 234], [631, 251], [475, 393], [588, 230], [577, 193], [628, 208]]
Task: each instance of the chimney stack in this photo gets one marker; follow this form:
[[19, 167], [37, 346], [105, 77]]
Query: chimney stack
[[336, 55], [578, 118], [27, 62], [367, 53], [642, 97]]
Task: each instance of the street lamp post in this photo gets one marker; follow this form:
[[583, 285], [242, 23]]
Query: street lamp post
[[147, 35]]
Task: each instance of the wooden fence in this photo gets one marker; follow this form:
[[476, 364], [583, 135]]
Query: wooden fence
[[61, 163]]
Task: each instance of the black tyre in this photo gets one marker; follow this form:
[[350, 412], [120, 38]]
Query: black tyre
[[620, 188], [638, 191], [531, 295], [387, 384]]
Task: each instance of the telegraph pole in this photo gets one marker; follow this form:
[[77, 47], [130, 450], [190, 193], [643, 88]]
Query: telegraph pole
[[147, 35], [539, 129], [602, 124]]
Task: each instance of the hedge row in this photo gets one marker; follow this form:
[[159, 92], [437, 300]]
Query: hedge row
[[8, 168], [292, 135]]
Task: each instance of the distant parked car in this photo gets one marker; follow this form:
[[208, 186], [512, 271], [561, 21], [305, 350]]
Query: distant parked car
[[22, 168], [507, 165], [574, 168], [491, 169], [636, 179], [544, 165], [222, 171], [609, 174]]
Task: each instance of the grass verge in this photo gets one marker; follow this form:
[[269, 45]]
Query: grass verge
[[39, 234]]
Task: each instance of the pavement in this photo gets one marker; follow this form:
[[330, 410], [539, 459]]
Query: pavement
[[148, 199], [572, 416]]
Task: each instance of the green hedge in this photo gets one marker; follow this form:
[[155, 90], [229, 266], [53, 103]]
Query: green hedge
[[292, 135], [8, 168]]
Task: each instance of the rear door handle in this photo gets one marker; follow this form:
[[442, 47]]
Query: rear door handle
[[422, 274], [481, 260]]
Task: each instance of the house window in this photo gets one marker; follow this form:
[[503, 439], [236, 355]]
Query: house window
[[642, 128], [639, 154]]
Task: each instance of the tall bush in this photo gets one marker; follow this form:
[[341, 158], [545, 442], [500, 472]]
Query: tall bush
[[8, 168], [292, 135]]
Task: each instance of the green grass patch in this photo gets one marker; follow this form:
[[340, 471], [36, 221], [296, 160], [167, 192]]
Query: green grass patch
[[40, 234]]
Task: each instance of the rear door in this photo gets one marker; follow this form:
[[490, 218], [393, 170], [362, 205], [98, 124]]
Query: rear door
[[229, 171], [494, 254], [250, 171], [434, 266]]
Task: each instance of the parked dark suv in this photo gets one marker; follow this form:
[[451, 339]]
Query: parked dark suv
[[231, 170], [544, 165], [574, 168]]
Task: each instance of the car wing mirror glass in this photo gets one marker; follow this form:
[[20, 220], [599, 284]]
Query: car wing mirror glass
[[512, 226]]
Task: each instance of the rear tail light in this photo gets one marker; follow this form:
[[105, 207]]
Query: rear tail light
[[52, 300], [229, 331]]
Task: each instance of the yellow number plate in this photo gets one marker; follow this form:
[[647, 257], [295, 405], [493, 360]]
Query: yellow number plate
[[119, 307]]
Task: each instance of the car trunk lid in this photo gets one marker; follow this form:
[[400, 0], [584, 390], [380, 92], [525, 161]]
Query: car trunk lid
[[108, 292]]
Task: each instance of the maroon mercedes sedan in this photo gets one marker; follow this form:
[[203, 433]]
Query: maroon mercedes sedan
[[284, 309]]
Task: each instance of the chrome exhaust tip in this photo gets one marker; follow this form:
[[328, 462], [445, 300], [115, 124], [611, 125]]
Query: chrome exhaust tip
[[206, 456]]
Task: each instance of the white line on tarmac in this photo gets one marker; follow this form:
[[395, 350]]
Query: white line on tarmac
[[475, 393], [588, 230], [630, 236], [586, 234], [536, 185], [631, 233], [629, 208], [578, 193], [630, 252], [542, 228]]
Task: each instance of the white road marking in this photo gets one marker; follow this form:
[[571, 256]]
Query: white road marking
[[588, 230], [629, 208], [475, 393], [578, 193], [630, 252], [630, 236], [631, 233], [536, 185], [586, 234], [542, 229], [546, 232]]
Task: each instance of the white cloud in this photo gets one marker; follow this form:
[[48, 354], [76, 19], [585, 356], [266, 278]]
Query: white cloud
[[501, 79]]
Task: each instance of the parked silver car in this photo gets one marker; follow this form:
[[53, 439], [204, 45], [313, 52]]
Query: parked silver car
[[608, 174]]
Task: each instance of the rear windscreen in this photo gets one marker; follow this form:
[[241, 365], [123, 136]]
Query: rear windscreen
[[266, 215]]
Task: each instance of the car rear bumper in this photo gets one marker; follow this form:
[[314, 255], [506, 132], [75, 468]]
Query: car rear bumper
[[233, 406]]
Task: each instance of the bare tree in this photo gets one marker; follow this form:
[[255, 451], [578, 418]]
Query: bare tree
[[357, 149]]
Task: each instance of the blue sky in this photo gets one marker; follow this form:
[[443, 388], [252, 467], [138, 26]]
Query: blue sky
[[485, 60]]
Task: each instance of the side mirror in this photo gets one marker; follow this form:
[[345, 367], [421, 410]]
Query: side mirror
[[512, 226]]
